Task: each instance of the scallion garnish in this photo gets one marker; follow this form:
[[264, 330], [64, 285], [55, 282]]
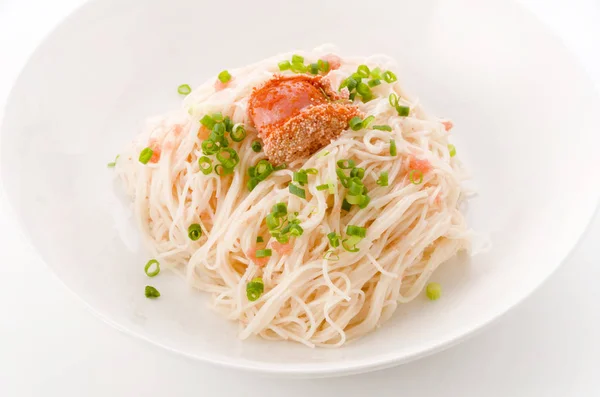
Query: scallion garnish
[[383, 179], [205, 165], [403, 111], [322, 187], [301, 177], [297, 59], [357, 172], [323, 65], [228, 158], [238, 133], [152, 273], [297, 191], [252, 183], [363, 71], [279, 210], [207, 121], [256, 146], [311, 171], [224, 76], [146, 155], [366, 122], [359, 231], [393, 150], [364, 90], [374, 83], [313, 68], [184, 89], [259, 239], [209, 147], [416, 176], [389, 76], [151, 292], [451, 149], [298, 67], [433, 291], [194, 231], [263, 169], [393, 99], [346, 206], [382, 127], [263, 253], [346, 164], [284, 65], [254, 289], [228, 124], [348, 246], [112, 165], [355, 123], [334, 239], [281, 166], [218, 117]]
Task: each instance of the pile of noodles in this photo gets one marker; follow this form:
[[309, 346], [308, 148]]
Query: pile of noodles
[[411, 228]]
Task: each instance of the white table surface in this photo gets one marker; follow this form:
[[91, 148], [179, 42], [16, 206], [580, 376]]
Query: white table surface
[[51, 345]]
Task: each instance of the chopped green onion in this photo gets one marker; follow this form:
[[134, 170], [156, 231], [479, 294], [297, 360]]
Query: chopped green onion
[[238, 133], [263, 170], [451, 149], [296, 230], [281, 166], [284, 65], [433, 291], [374, 83], [220, 169], [368, 121], [322, 187], [252, 183], [298, 67], [149, 265], [363, 71], [194, 231], [256, 146], [112, 165], [346, 206], [359, 231], [365, 201], [356, 123], [311, 171], [363, 90], [301, 177], [224, 76], [419, 179], [273, 222], [151, 292], [219, 128], [382, 127], [346, 164], [355, 199], [343, 178], [323, 65], [352, 96], [403, 111], [348, 246], [334, 239], [376, 73], [393, 150], [331, 256], [259, 239], [297, 59], [228, 157], [357, 172], [313, 68], [207, 121], [263, 253], [254, 289], [297, 191], [228, 124], [205, 165], [209, 147], [393, 99], [279, 210], [146, 155], [184, 89], [350, 83], [218, 117], [355, 187], [383, 179], [389, 76]]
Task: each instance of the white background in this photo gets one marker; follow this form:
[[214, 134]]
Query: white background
[[51, 345]]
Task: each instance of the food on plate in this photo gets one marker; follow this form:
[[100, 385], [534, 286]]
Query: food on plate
[[308, 194]]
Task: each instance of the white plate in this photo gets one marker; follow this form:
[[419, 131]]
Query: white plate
[[525, 117]]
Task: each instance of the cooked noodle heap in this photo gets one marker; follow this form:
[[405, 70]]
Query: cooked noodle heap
[[311, 294]]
